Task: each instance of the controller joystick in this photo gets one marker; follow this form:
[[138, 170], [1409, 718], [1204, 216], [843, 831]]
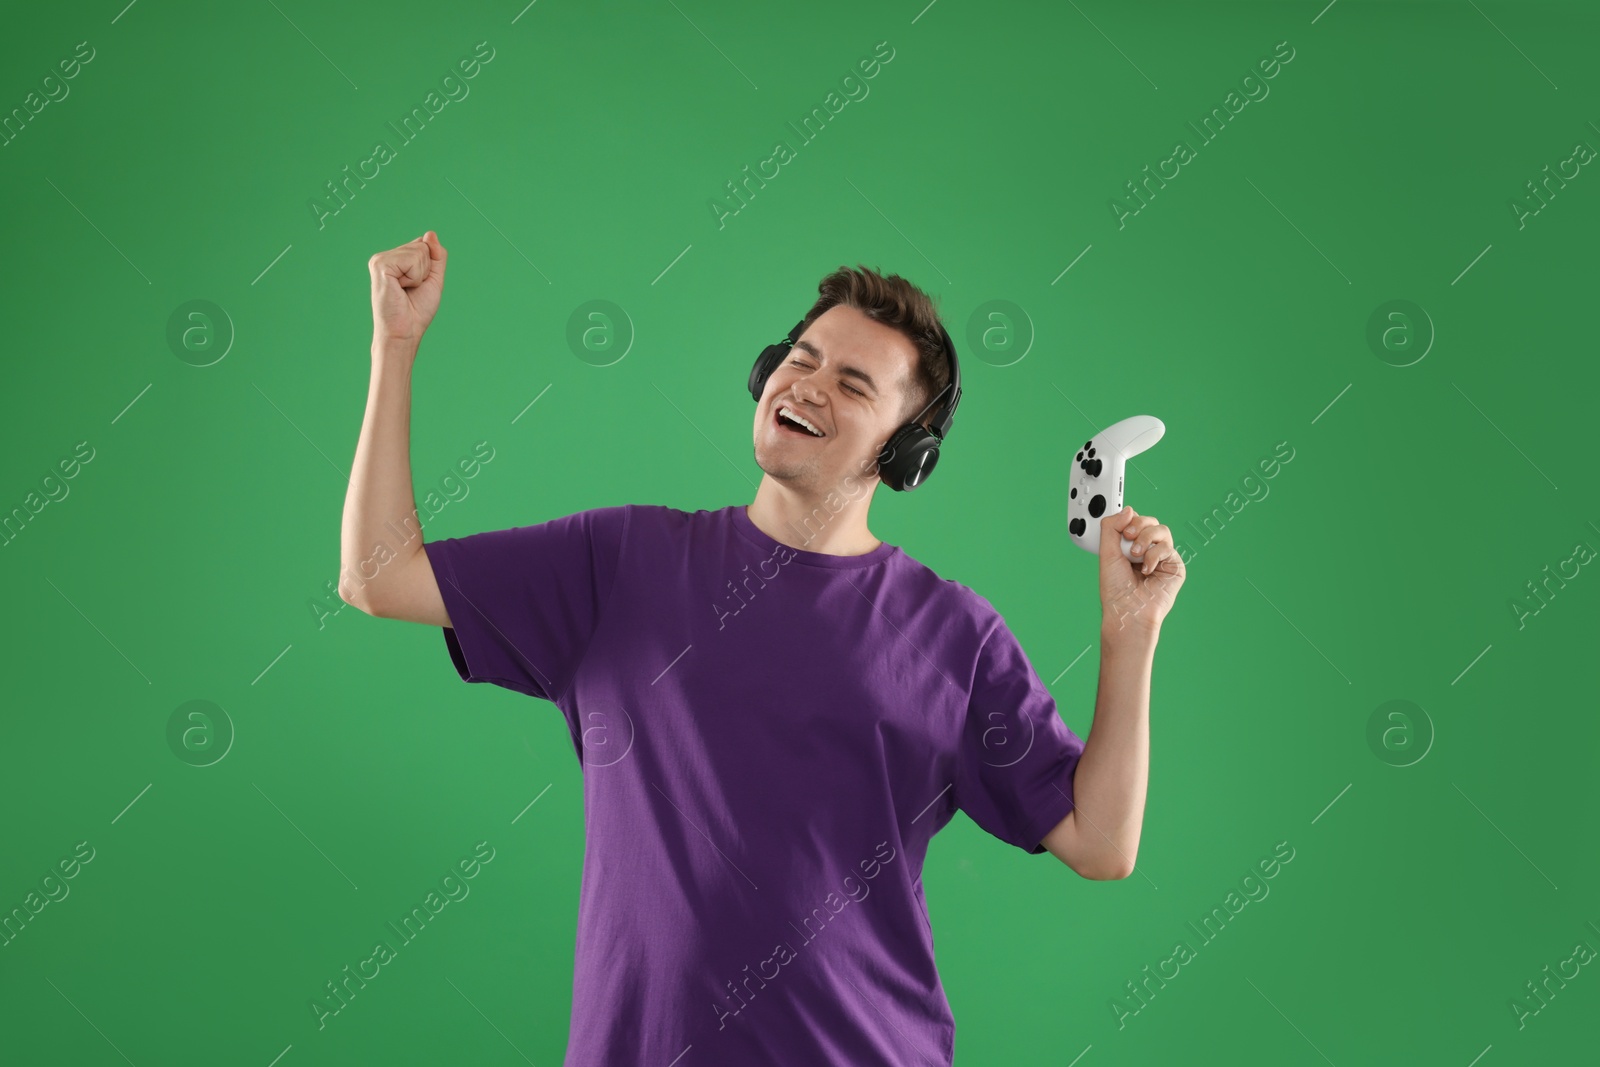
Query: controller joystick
[[1095, 481]]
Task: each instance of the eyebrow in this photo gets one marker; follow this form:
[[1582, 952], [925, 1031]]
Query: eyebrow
[[847, 371]]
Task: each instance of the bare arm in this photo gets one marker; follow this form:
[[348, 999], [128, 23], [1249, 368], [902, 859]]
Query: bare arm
[[383, 569], [1113, 775], [1099, 838]]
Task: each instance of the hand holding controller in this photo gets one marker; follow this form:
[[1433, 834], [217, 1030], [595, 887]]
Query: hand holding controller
[[1096, 480]]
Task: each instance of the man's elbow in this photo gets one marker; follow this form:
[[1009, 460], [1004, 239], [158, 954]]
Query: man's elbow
[[357, 597], [1071, 848], [1112, 874], [1112, 869], [1097, 871]]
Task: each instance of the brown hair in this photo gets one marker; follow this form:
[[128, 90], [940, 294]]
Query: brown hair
[[892, 301]]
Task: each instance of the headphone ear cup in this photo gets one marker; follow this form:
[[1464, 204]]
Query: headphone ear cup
[[765, 364], [908, 458]]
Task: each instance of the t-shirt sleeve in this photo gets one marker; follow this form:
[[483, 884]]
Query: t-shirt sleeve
[[524, 603], [1017, 758]]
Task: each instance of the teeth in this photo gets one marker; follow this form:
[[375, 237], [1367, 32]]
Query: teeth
[[789, 412]]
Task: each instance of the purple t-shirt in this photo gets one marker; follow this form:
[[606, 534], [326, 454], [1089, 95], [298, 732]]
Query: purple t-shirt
[[769, 737]]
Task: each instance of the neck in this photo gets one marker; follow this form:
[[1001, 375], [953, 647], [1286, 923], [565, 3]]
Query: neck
[[829, 521]]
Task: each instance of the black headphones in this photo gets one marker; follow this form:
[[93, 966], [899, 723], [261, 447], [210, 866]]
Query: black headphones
[[909, 456]]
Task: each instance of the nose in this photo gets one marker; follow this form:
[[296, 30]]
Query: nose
[[804, 390]]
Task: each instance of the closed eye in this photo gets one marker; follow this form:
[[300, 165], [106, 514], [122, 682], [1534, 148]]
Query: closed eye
[[852, 388]]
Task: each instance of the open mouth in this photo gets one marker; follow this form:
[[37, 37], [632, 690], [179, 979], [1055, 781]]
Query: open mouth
[[785, 425]]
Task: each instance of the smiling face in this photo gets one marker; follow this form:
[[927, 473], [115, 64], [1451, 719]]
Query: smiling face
[[849, 377]]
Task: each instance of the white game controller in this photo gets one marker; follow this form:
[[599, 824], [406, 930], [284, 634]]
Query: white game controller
[[1096, 480]]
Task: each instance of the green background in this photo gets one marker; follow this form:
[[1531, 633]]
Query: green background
[[189, 557]]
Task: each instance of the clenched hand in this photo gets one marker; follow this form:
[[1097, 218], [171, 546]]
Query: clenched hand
[[407, 283]]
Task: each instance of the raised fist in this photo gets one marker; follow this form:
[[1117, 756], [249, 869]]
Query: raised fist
[[407, 283]]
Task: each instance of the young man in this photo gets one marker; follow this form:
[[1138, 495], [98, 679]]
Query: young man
[[773, 710]]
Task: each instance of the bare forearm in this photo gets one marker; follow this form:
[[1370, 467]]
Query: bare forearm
[[380, 527], [1113, 774]]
